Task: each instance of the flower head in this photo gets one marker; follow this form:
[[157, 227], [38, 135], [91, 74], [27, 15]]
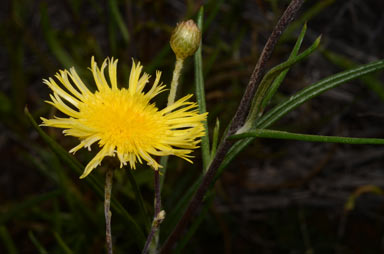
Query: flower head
[[185, 39], [123, 121]]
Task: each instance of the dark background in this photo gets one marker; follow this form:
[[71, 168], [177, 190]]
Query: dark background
[[276, 197]]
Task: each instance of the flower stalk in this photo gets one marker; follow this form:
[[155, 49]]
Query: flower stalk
[[159, 215], [175, 80], [107, 211]]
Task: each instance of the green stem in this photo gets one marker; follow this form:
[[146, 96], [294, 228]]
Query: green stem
[[175, 80], [171, 100], [164, 159]]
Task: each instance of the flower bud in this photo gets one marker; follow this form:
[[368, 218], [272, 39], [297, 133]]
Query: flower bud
[[185, 39]]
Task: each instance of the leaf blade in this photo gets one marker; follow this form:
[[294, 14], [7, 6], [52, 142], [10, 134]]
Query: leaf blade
[[275, 134]]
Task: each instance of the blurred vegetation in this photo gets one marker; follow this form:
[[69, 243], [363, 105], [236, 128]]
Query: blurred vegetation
[[278, 197]]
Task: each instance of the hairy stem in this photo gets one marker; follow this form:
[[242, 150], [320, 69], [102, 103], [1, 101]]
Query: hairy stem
[[157, 218], [107, 211], [175, 80], [259, 70]]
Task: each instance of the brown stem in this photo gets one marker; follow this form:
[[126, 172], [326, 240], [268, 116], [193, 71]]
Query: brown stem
[[107, 211], [157, 218], [259, 70], [236, 123]]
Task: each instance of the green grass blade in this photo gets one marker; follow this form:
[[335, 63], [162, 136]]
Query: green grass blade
[[313, 11], [213, 12], [264, 133], [37, 243], [159, 59], [277, 82], [7, 240], [119, 20], [74, 164], [139, 199], [343, 62], [232, 153], [177, 211], [54, 44], [62, 244], [200, 94], [316, 89], [23, 206], [91, 180], [195, 224]]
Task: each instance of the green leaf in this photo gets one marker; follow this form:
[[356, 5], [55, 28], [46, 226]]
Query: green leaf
[[195, 224], [52, 39], [314, 90], [177, 211], [343, 62], [277, 82], [264, 133], [139, 199], [64, 246], [304, 95], [159, 59], [37, 243], [7, 240], [114, 9], [215, 138], [23, 206], [313, 11], [267, 80], [5, 104], [200, 94], [90, 179]]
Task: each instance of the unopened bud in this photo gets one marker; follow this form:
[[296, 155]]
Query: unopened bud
[[185, 39]]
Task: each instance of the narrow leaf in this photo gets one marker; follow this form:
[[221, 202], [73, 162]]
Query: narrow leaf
[[200, 93], [119, 20], [277, 82], [314, 90], [25, 205], [139, 199], [215, 138], [53, 42], [64, 246], [37, 243], [267, 80], [7, 240], [307, 93], [264, 133]]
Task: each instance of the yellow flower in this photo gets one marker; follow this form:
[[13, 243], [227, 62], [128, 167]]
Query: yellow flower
[[123, 121]]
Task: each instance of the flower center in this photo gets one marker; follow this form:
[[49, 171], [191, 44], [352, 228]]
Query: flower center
[[123, 120]]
